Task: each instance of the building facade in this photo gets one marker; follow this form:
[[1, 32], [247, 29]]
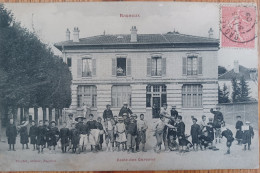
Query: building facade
[[145, 70]]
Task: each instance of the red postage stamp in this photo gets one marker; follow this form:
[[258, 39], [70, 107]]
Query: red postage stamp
[[238, 26]]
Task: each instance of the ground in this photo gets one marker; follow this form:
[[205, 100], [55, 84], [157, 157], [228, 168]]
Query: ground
[[30, 160]]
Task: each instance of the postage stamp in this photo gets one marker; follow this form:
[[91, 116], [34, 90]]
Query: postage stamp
[[238, 26]]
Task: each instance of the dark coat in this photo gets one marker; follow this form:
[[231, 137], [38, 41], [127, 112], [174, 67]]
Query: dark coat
[[210, 131], [11, 133], [92, 124], [171, 131], [64, 136], [228, 134], [195, 132], [125, 110], [33, 134], [74, 137], [47, 134], [181, 134], [174, 113], [24, 137], [248, 134], [131, 128], [107, 113], [41, 135], [239, 133], [82, 128], [218, 118], [53, 133]]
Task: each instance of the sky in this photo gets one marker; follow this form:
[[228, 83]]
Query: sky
[[50, 21]]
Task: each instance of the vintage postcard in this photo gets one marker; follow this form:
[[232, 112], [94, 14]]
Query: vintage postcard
[[128, 86]]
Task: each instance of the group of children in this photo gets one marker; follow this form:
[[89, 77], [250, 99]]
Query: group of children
[[127, 133]]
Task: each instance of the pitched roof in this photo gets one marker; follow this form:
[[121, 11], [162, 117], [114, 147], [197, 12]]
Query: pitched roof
[[243, 71], [124, 39]]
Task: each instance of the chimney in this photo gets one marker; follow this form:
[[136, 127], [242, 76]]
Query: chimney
[[236, 66], [76, 34], [210, 33], [133, 34], [67, 35]]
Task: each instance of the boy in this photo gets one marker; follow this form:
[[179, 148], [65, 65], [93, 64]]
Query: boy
[[205, 140], [83, 132], [64, 137], [181, 134], [195, 134], [218, 120], [229, 135], [74, 137], [248, 134], [101, 137], [53, 136], [210, 132], [159, 130], [24, 137], [131, 134], [33, 134], [203, 124], [239, 133], [93, 133], [41, 136], [120, 133], [109, 129], [137, 139], [47, 133], [142, 127], [11, 134], [107, 112]]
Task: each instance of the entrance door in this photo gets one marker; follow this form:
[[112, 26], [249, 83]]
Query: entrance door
[[156, 107]]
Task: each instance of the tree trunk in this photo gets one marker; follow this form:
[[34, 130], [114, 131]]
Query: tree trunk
[[56, 115], [36, 115], [44, 113], [21, 115], [50, 114], [26, 114]]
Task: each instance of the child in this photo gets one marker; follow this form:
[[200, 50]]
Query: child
[[53, 136], [181, 134], [41, 136], [109, 129], [159, 129], [203, 124], [131, 134], [137, 139], [248, 134], [173, 145], [120, 133], [33, 135], [83, 133], [24, 137], [229, 135], [239, 133], [101, 137], [142, 127], [74, 137], [11, 133], [205, 140], [94, 133], [210, 132], [47, 133], [64, 137], [195, 133]]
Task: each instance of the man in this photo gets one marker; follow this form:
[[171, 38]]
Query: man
[[218, 120], [174, 113], [125, 109], [83, 131], [108, 112]]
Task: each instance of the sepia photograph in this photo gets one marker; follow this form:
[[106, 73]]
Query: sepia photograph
[[128, 86]]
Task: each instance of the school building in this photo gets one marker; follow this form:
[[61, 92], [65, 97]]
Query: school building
[[145, 70]]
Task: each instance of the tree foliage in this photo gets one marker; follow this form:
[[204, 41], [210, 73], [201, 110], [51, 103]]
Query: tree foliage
[[240, 90], [221, 70], [223, 94], [30, 74]]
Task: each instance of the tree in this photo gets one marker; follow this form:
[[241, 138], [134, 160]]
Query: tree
[[221, 70], [223, 95], [236, 91], [244, 90]]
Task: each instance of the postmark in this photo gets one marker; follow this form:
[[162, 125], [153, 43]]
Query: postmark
[[238, 26]]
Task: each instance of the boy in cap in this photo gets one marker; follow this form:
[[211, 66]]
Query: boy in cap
[[131, 134], [181, 134], [41, 136], [24, 137], [101, 137], [217, 123], [239, 132], [11, 134], [74, 137], [248, 135], [83, 132], [64, 137], [229, 136], [120, 133], [107, 112], [142, 127], [195, 134], [109, 130], [53, 136], [33, 134], [125, 109]]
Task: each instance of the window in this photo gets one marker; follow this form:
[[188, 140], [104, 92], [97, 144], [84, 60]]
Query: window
[[192, 65], [121, 67], [86, 67], [156, 66], [87, 95], [156, 96], [192, 96], [121, 94], [69, 62]]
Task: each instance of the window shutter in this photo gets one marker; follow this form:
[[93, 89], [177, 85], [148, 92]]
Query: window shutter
[[113, 67], [163, 66], [199, 65], [149, 66], [79, 68], [128, 70], [94, 70], [184, 65]]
